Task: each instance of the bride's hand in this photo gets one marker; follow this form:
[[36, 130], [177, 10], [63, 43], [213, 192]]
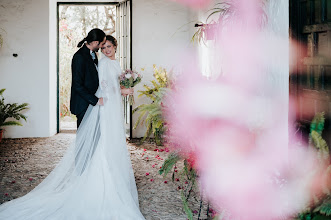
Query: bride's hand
[[125, 92]]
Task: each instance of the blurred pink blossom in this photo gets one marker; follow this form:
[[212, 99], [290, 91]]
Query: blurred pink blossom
[[235, 125], [195, 4]]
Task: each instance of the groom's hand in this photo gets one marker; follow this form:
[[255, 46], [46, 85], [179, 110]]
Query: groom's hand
[[100, 102]]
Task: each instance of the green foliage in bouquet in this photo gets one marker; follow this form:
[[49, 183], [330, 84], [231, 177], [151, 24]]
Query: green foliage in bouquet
[[129, 82], [11, 110], [152, 113], [320, 209]]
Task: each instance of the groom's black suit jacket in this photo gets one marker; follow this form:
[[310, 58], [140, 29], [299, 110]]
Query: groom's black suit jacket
[[85, 81]]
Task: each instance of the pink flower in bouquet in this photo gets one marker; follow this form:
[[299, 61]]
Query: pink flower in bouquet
[[135, 76], [129, 79]]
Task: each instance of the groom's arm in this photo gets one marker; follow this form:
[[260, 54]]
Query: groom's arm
[[78, 79]]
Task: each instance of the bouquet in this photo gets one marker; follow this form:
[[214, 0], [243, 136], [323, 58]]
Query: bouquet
[[129, 79]]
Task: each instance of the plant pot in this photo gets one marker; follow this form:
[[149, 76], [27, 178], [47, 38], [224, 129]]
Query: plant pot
[[1, 132]]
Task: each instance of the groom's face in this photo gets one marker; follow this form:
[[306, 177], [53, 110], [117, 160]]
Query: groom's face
[[96, 44]]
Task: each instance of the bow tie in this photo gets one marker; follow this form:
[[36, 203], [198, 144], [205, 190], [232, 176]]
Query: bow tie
[[94, 57]]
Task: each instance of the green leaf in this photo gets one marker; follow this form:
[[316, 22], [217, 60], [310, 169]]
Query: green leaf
[[169, 163], [317, 123], [12, 123], [1, 91], [187, 209], [325, 207], [321, 217]]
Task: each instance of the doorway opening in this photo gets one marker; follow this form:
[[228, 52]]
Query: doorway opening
[[75, 20]]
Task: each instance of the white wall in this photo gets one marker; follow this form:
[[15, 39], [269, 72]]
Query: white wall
[[276, 32], [26, 77], [160, 29]]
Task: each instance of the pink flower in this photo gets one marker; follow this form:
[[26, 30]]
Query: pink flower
[[153, 166], [147, 174], [6, 194], [13, 181], [177, 179], [144, 149], [195, 212], [30, 179], [156, 150], [152, 180], [176, 171], [165, 181], [179, 187], [195, 4], [162, 150], [146, 158], [186, 182]]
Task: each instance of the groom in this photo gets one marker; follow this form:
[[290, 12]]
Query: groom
[[85, 80]]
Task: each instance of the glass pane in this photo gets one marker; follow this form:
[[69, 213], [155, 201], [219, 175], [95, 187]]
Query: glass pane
[[328, 10], [327, 77]]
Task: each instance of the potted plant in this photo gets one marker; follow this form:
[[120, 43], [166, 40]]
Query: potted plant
[[10, 111]]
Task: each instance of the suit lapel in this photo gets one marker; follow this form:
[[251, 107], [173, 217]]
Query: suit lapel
[[86, 53]]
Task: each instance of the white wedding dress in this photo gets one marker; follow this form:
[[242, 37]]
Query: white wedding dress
[[94, 180]]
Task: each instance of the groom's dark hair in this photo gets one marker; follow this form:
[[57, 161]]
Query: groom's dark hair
[[94, 35]]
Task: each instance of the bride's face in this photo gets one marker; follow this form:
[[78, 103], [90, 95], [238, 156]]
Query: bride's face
[[108, 49]]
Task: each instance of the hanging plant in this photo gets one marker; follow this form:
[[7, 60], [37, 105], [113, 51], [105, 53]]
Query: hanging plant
[[230, 10], [204, 32]]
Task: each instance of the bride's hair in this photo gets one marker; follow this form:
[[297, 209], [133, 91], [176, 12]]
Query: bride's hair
[[94, 35], [112, 40]]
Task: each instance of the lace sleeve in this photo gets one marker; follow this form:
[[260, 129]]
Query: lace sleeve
[[108, 80]]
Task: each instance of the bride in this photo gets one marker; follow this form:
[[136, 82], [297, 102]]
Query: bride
[[94, 180]]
